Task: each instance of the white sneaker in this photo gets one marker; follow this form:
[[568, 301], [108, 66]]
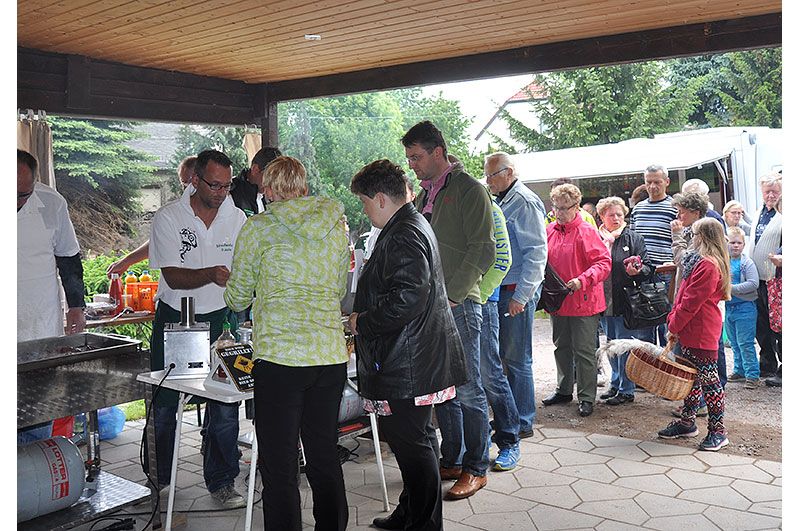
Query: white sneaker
[[229, 498]]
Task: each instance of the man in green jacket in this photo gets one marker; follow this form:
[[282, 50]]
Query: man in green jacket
[[459, 210]]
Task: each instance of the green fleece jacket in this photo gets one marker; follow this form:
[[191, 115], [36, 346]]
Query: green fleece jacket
[[462, 222]]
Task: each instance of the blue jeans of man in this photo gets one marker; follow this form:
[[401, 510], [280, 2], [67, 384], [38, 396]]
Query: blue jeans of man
[[516, 351], [495, 383], [464, 421], [614, 325], [740, 324], [221, 459]]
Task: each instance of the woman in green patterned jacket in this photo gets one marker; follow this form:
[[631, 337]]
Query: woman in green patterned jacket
[[295, 257]]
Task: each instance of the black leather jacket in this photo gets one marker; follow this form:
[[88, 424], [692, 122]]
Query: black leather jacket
[[629, 243], [407, 343], [245, 194]]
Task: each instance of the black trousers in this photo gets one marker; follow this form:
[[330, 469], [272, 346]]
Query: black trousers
[[769, 341], [292, 402], [407, 430]]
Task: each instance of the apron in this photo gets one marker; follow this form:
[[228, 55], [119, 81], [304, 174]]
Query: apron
[[39, 312]]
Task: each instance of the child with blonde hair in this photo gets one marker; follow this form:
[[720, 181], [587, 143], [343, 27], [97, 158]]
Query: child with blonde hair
[[696, 321], [741, 313]]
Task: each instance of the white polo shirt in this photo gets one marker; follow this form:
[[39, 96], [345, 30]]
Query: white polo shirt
[[178, 238]]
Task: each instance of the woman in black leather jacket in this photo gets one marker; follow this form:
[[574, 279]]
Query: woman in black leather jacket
[[623, 243], [408, 349]]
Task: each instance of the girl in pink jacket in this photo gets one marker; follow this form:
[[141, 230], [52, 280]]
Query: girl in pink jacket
[[696, 321]]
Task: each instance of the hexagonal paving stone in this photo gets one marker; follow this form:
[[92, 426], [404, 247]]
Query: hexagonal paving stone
[[539, 461], [554, 433], [600, 472], [659, 449], [695, 522], [657, 484], [510, 521], [757, 492], [559, 496], [609, 441], [549, 518], [623, 468], [657, 506], [722, 496], [748, 472], [770, 467], [486, 501], [695, 480], [720, 459], [622, 510], [731, 520], [686, 462], [580, 444], [594, 491], [630, 452], [537, 478], [567, 457], [504, 482], [770, 508]]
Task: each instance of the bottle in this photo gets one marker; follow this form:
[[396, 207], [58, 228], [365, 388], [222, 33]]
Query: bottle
[[130, 277], [115, 292], [145, 276], [225, 339]]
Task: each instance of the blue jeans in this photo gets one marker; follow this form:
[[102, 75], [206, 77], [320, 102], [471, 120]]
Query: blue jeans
[[740, 323], [221, 460], [495, 383], [516, 351], [614, 325], [464, 421]]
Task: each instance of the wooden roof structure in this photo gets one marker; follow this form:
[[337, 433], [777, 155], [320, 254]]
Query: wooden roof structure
[[231, 61]]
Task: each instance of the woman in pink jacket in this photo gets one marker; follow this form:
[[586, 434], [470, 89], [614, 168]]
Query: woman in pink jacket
[[696, 321], [576, 252]]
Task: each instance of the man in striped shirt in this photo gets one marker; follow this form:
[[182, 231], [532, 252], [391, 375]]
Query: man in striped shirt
[[651, 218]]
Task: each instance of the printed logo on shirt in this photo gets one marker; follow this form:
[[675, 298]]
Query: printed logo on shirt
[[188, 241], [225, 247]]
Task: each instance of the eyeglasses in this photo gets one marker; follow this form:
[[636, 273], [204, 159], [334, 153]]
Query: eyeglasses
[[25, 195], [495, 173], [216, 187], [564, 209]]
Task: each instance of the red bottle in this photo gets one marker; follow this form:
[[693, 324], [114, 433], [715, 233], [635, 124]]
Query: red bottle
[[115, 292]]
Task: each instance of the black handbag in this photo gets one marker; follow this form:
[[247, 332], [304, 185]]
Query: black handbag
[[645, 305], [554, 291]]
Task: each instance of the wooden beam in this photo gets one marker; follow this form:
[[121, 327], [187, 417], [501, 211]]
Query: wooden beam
[[693, 39]]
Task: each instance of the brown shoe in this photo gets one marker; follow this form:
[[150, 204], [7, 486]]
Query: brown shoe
[[466, 486], [449, 473]]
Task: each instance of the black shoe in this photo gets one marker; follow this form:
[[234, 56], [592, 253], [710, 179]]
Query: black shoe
[[621, 398], [525, 434], [585, 408], [775, 381], [556, 398], [389, 522], [611, 393]]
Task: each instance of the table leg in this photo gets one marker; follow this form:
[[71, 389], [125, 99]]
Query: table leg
[[182, 399], [373, 421], [251, 482]]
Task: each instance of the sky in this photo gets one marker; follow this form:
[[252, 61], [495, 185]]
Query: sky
[[480, 99]]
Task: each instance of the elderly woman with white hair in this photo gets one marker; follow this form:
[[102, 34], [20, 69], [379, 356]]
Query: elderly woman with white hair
[[734, 215], [629, 264], [578, 255]]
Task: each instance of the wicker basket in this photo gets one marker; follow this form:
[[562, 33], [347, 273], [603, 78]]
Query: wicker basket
[[661, 376]]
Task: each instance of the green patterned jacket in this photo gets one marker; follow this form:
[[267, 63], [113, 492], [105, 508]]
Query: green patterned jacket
[[295, 257]]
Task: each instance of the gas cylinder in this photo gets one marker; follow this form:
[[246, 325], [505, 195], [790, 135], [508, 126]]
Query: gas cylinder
[[50, 476]]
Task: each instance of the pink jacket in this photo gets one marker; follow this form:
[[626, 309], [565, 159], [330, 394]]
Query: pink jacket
[[695, 317], [575, 250]]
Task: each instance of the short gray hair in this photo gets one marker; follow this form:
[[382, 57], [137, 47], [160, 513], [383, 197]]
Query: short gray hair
[[692, 201], [695, 185], [655, 168], [770, 179], [607, 202], [502, 157], [733, 203]]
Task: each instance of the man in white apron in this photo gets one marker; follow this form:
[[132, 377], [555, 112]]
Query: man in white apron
[[46, 247]]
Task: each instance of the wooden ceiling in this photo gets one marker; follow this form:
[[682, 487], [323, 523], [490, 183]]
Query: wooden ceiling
[[263, 41]]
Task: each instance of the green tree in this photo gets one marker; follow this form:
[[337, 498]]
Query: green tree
[[603, 105], [706, 72], [100, 176], [752, 92], [192, 139]]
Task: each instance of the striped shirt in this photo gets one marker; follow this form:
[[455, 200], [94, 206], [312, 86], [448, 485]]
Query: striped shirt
[[651, 220]]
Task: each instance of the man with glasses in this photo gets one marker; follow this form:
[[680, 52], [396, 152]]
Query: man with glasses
[[520, 290], [191, 242], [460, 213], [46, 249]]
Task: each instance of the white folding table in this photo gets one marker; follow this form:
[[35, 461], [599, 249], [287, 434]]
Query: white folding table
[[188, 387]]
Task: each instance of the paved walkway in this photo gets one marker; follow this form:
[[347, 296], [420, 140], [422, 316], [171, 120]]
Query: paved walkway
[[566, 480]]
